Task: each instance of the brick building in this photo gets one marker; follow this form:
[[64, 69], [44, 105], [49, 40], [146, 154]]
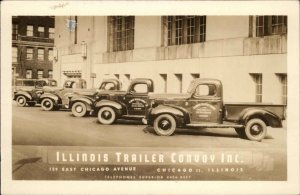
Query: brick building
[[247, 53], [32, 46]]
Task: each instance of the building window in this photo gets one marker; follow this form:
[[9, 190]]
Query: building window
[[50, 74], [185, 29], [51, 33], [41, 31], [14, 54], [40, 74], [121, 33], [15, 31], [28, 74], [271, 25], [283, 80], [29, 30], [41, 54], [258, 87], [50, 54], [29, 53]]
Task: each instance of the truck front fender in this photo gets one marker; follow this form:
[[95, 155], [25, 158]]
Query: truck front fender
[[268, 117], [180, 114], [51, 96], [23, 93], [115, 105], [88, 101]]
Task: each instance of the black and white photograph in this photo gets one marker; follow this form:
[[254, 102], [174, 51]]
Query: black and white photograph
[[120, 97]]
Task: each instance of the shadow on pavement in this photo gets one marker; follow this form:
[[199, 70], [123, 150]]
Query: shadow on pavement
[[25, 161]]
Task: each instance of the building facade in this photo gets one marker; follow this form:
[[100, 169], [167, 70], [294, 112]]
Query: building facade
[[32, 46], [247, 53]]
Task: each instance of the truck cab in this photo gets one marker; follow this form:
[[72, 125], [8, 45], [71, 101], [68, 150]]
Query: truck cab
[[130, 104]]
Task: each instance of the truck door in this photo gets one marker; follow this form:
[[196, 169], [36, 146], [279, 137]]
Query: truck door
[[205, 106], [136, 99]]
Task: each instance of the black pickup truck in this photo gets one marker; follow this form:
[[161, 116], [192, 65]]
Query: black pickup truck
[[203, 107], [130, 104], [29, 91], [60, 97], [82, 101]]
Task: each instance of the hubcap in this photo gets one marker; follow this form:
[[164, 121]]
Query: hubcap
[[106, 115], [47, 104], [164, 124], [256, 129], [79, 109], [21, 100]]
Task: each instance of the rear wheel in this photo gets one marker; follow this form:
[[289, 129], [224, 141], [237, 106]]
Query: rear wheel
[[79, 109], [21, 101], [240, 132], [47, 104], [164, 125], [256, 129], [106, 115]]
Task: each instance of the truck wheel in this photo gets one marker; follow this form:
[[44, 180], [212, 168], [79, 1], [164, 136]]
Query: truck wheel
[[21, 101], [79, 109], [47, 104], [165, 125], [106, 115], [256, 129], [240, 132]]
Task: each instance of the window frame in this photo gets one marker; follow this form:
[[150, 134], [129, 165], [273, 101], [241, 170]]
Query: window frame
[[121, 33], [267, 25], [39, 71], [15, 50], [31, 73], [29, 32], [51, 33], [29, 53], [39, 55], [50, 57], [41, 34], [182, 30]]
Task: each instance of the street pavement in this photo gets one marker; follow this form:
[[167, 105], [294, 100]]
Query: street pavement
[[35, 130], [33, 126]]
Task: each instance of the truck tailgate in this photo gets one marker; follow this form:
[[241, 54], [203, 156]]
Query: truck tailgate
[[234, 110]]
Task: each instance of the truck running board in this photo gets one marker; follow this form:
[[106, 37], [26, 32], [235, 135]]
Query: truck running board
[[207, 125]]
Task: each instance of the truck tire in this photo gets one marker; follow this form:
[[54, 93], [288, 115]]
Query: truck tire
[[79, 109], [241, 132], [21, 101], [164, 125], [256, 129], [47, 104], [106, 115]]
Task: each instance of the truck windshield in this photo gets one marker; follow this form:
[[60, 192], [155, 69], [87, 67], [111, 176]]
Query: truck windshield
[[107, 86]]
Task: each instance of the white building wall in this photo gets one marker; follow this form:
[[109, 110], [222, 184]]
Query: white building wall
[[226, 27], [228, 54]]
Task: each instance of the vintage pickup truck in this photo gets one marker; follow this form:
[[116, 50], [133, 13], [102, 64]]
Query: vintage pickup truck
[[130, 104], [202, 107], [28, 91], [57, 98], [82, 101]]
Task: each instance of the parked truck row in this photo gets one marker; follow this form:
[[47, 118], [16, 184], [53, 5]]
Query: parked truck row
[[201, 107]]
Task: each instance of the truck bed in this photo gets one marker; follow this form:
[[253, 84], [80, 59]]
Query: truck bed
[[234, 110]]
